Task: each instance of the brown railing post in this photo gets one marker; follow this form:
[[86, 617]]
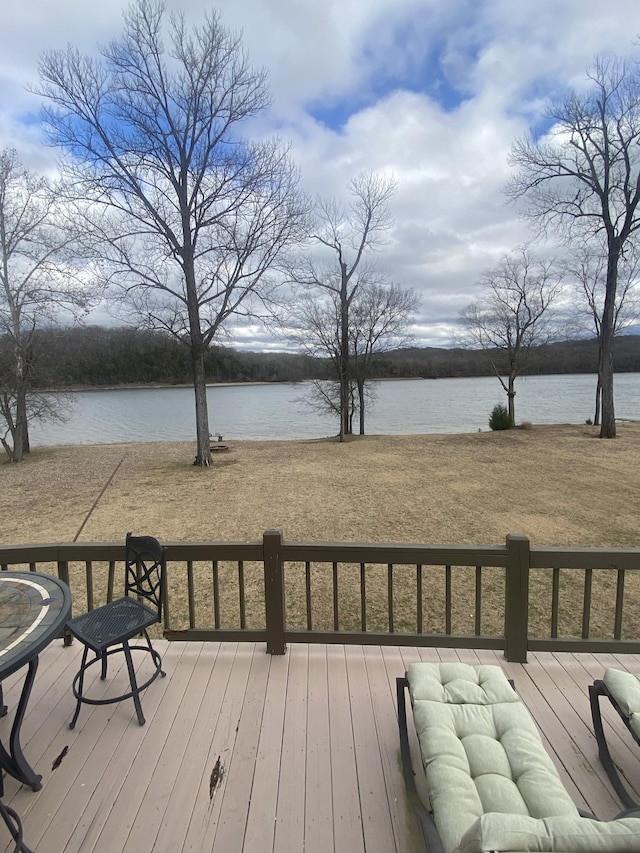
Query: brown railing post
[[517, 598], [274, 591]]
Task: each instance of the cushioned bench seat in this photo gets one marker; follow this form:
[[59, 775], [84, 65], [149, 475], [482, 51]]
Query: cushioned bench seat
[[490, 782]]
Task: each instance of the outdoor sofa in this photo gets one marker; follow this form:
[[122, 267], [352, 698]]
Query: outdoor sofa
[[490, 783]]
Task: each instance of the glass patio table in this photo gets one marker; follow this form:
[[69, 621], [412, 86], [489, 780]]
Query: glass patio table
[[33, 610]]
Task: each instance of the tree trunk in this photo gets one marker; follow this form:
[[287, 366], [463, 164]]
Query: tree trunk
[[17, 428], [511, 399], [596, 415], [22, 422], [203, 440], [361, 404], [608, 426], [344, 353]]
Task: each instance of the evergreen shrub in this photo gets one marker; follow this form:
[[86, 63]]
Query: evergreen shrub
[[499, 417]]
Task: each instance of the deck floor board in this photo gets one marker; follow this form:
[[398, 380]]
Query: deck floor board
[[308, 744]]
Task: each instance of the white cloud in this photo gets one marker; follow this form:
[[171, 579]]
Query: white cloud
[[434, 93]]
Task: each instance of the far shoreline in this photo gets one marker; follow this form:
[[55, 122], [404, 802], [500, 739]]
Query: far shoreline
[[590, 430]]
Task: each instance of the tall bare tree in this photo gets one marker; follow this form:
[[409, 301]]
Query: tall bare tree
[[345, 235], [380, 320], [587, 268], [38, 279], [187, 217], [379, 317], [512, 315], [584, 175]]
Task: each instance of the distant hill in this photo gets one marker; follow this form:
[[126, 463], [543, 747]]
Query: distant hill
[[579, 356]]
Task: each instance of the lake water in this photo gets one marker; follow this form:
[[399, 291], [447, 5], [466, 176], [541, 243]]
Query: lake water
[[404, 406]]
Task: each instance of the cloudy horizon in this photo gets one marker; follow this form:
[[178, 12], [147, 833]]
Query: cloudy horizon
[[431, 92]]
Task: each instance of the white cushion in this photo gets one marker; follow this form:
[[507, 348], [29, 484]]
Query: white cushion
[[501, 833], [459, 683], [625, 689]]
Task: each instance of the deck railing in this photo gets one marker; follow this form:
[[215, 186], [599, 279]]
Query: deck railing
[[511, 597]]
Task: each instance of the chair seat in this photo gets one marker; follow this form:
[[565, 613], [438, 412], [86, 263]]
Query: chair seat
[[115, 622]]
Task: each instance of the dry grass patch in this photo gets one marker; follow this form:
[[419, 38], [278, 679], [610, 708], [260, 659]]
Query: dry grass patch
[[559, 485]]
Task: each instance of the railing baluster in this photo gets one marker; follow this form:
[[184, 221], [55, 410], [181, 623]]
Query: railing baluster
[[336, 620], [419, 614], [555, 601], [363, 597], [243, 618], [390, 595], [307, 586], [215, 577], [111, 580], [447, 600], [617, 628], [191, 595], [88, 573], [478, 607], [586, 603], [63, 574]]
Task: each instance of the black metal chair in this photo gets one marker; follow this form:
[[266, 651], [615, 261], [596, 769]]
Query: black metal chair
[[107, 630], [623, 691]]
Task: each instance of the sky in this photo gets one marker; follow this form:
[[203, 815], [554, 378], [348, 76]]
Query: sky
[[432, 92]]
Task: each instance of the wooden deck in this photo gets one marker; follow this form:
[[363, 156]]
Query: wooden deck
[[308, 744]]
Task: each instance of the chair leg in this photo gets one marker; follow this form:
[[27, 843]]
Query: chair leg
[[596, 690], [134, 684], [79, 688], [103, 668], [154, 654], [14, 825]]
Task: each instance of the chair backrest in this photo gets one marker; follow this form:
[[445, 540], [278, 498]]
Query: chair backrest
[[146, 561]]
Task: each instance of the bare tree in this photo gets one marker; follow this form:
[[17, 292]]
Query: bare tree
[[511, 316], [346, 234], [585, 176], [379, 315], [587, 268], [38, 280], [186, 216], [380, 319]]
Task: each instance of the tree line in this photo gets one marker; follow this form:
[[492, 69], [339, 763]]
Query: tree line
[[95, 356]]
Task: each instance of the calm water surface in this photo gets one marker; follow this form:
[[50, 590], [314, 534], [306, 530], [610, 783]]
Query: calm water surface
[[403, 406]]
